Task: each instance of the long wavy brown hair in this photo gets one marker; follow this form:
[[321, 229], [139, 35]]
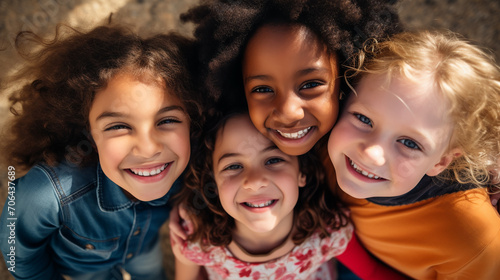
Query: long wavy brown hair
[[55, 87], [316, 208]]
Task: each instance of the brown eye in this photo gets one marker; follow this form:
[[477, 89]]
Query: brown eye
[[311, 85], [262, 90], [116, 127]]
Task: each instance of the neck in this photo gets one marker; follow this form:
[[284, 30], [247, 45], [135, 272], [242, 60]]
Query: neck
[[262, 243]]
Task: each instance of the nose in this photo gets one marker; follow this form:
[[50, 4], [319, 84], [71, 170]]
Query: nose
[[254, 180], [374, 154], [147, 145], [289, 108]]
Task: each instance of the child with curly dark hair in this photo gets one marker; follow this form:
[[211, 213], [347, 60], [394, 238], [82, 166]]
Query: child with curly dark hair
[[102, 123], [287, 57], [283, 60], [260, 213]]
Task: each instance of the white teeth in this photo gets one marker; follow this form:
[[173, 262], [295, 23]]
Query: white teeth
[[363, 172], [151, 172], [259, 205], [295, 135]]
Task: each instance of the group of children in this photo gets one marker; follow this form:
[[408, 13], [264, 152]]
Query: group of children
[[333, 135]]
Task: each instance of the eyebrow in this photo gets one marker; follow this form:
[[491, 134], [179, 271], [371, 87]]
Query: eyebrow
[[299, 73], [310, 70], [257, 77], [271, 147], [108, 114]]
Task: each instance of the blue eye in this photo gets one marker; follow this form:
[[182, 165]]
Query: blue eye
[[310, 85], [233, 167], [274, 161], [169, 120], [364, 119], [409, 144]]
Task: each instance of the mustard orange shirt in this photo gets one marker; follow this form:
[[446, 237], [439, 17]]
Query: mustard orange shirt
[[435, 231]]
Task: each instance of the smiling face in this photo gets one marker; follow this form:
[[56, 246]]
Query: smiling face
[[389, 136], [258, 185], [142, 136], [290, 86]]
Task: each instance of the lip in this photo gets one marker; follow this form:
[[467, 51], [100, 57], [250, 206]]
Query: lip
[[269, 203], [146, 168], [307, 135], [360, 176]]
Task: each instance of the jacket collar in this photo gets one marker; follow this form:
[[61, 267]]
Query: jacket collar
[[428, 187], [111, 197]]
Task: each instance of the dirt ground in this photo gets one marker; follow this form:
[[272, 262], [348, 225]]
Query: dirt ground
[[477, 20]]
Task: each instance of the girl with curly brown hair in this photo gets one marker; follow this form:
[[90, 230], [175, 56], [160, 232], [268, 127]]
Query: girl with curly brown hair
[[260, 213], [102, 123]]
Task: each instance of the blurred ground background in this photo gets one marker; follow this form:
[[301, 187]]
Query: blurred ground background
[[477, 20]]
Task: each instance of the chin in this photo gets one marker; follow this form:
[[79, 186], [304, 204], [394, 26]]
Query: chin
[[149, 196], [295, 151], [354, 191]]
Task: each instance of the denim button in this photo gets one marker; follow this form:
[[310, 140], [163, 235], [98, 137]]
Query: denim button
[[89, 247]]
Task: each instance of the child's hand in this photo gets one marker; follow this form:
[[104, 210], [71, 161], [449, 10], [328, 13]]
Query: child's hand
[[179, 224]]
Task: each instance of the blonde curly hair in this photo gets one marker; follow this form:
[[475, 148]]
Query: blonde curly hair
[[466, 76]]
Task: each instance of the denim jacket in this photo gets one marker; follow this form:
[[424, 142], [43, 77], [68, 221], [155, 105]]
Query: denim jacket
[[70, 220]]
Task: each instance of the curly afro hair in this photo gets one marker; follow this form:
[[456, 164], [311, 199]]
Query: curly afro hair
[[224, 27]]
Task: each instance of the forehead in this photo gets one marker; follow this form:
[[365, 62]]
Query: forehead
[[422, 89], [127, 93], [285, 40], [239, 134], [403, 99]]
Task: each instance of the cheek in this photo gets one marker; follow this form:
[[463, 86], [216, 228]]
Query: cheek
[[177, 144], [111, 153], [339, 135], [409, 171], [227, 194], [258, 115], [327, 113], [184, 147]]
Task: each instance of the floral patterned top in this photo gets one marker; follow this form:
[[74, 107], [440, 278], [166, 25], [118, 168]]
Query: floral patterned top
[[303, 262]]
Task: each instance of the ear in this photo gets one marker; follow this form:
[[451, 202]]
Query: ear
[[444, 162], [302, 179]]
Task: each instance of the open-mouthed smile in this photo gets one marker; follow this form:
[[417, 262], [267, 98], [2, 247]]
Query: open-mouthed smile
[[295, 135], [147, 172], [261, 205], [364, 172]]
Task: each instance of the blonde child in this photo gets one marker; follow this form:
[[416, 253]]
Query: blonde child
[[413, 150], [102, 125], [260, 213]]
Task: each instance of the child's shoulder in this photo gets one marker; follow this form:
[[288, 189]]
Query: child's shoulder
[[62, 179]]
